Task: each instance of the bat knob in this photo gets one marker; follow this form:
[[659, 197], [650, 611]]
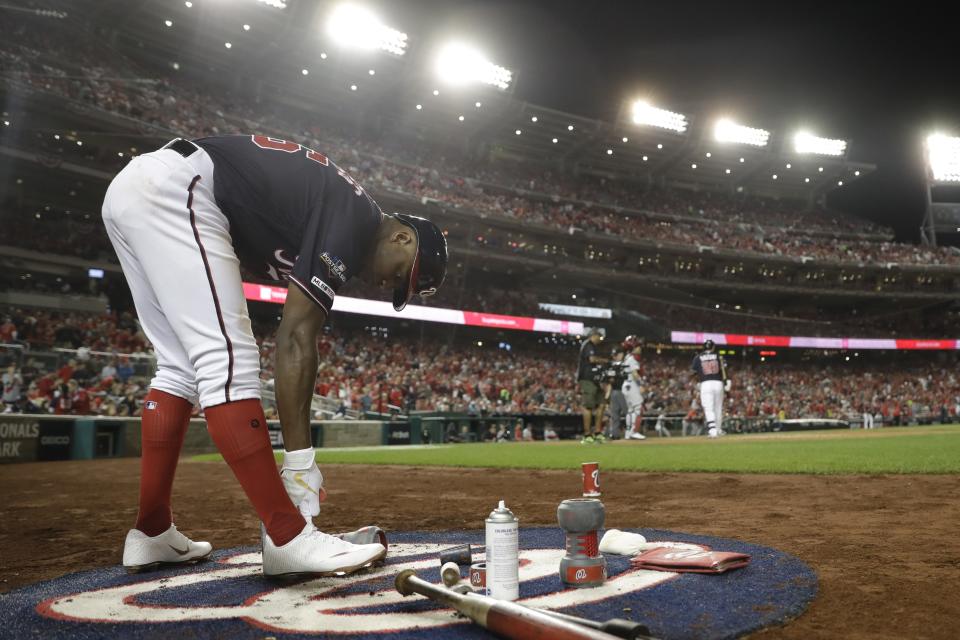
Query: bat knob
[[401, 582], [450, 574], [625, 628]]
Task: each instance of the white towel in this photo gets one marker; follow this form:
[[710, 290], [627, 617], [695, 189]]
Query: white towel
[[624, 543]]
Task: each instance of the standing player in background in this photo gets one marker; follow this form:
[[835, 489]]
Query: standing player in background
[[632, 387], [183, 219], [691, 424], [866, 412], [613, 392], [661, 426], [711, 371], [591, 393]]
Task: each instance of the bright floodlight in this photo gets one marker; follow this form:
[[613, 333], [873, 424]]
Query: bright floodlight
[[729, 131], [354, 26], [461, 64], [806, 142], [644, 113], [943, 157]]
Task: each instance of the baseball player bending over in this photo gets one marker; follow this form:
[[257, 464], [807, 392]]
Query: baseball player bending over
[[711, 371], [183, 220]]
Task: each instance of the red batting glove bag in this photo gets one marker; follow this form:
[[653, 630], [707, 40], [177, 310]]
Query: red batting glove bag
[[689, 560]]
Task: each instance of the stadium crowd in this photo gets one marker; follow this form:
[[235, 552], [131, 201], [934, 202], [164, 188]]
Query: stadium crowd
[[657, 315], [75, 363], [810, 389], [719, 230], [939, 321], [76, 67], [103, 368]]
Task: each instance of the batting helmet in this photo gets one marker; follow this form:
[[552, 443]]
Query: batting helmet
[[430, 264], [708, 345]]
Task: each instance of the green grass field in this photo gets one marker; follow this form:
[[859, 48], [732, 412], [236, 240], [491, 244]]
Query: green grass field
[[889, 450]]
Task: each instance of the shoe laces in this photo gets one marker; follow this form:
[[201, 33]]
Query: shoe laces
[[332, 542]]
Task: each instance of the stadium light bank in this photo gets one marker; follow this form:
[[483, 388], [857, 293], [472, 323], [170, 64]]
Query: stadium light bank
[[458, 63], [943, 157], [806, 142], [354, 26], [644, 113], [726, 130]]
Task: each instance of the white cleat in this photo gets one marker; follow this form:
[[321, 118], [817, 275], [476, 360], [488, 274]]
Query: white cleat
[[305, 488], [142, 552], [633, 435], [318, 553]]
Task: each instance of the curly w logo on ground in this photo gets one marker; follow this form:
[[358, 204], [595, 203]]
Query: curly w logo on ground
[[229, 597]]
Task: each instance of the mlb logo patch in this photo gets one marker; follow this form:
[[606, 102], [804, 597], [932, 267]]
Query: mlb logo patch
[[323, 286], [150, 404]]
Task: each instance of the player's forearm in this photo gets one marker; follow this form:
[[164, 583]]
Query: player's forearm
[[296, 376]]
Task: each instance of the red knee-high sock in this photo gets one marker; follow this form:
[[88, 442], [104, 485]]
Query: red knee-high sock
[[164, 424], [239, 429]]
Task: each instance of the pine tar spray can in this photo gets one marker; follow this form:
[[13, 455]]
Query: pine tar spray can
[[503, 559]]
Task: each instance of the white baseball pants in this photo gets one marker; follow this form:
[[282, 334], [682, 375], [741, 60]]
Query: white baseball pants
[[631, 392], [711, 397], [176, 252]]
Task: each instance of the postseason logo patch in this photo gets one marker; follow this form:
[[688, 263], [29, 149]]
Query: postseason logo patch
[[228, 596], [335, 266]]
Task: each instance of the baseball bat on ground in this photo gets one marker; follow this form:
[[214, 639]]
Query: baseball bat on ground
[[504, 618], [619, 627], [626, 629]]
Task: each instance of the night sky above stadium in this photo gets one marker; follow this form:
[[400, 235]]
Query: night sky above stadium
[[878, 77]]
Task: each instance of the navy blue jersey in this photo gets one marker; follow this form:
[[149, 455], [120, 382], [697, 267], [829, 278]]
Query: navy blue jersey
[[709, 366], [293, 213]]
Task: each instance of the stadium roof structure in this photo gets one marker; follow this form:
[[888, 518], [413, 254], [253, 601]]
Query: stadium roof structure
[[285, 57]]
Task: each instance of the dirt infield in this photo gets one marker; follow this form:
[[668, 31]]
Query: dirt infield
[[885, 547]]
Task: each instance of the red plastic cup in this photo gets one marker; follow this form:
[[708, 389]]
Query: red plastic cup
[[591, 479]]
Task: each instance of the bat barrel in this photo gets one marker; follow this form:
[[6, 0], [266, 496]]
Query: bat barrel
[[513, 620], [627, 629]]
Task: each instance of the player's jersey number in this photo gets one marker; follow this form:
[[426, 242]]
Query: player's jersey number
[[710, 367], [276, 144]]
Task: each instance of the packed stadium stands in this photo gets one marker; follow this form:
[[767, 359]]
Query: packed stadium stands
[[75, 70], [668, 256], [96, 364]]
